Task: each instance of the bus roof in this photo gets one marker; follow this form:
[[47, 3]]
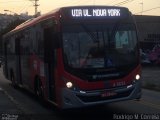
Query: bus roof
[[32, 21]]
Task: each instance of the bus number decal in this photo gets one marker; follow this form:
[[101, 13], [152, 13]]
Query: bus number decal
[[118, 84]]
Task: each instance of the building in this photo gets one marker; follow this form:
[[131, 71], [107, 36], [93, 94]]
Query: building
[[149, 35], [149, 30]]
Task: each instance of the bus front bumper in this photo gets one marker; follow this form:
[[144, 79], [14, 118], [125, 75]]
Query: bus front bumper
[[77, 99]]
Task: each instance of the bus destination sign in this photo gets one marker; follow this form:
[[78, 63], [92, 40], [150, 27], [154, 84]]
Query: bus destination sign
[[96, 12]]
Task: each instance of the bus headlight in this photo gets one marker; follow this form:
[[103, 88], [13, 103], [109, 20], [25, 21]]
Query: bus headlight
[[137, 77], [69, 84]]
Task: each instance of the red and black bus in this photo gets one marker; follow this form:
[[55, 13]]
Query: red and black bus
[[76, 56]]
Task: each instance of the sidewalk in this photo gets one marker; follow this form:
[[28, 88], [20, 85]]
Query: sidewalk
[[151, 77], [9, 109], [6, 104]]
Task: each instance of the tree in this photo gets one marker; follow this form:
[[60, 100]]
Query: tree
[[9, 27]]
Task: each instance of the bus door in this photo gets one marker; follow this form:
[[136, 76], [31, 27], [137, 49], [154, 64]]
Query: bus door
[[24, 61], [49, 59], [18, 57], [5, 69]]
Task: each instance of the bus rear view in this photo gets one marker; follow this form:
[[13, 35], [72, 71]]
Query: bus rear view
[[100, 56]]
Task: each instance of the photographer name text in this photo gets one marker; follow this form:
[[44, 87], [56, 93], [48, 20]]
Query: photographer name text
[[136, 116]]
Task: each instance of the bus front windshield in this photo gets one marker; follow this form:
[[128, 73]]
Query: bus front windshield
[[99, 46]]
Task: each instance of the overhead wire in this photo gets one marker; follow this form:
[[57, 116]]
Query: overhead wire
[[27, 5], [76, 2], [111, 2], [80, 1], [148, 10], [124, 2], [10, 2], [24, 7]]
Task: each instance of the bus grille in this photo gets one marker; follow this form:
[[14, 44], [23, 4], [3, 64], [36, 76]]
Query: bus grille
[[100, 98]]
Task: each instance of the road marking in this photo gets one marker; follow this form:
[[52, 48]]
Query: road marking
[[1, 89], [14, 101], [147, 103]]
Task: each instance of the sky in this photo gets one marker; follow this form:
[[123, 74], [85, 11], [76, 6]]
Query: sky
[[149, 7]]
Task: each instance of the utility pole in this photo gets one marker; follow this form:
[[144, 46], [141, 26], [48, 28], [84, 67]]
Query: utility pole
[[142, 7], [36, 7]]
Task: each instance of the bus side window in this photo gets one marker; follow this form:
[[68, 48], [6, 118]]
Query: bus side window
[[11, 46], [32, 41], [24, 45], [49, 38], [48, 42], [40, 41]]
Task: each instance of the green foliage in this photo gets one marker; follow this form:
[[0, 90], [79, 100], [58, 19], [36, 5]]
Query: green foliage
[[11, 26]]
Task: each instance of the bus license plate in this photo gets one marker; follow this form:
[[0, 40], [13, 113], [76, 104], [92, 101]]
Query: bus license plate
[[108, 94]]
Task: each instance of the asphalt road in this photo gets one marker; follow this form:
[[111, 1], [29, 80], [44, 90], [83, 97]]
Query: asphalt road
[[22, 105]]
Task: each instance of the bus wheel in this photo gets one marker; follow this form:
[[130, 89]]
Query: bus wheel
[[39, 90], [138, 99], [13, 80]]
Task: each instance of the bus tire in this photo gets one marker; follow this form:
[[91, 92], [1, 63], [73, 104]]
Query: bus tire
[[138, 99], [39, 89], [13, 83]]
